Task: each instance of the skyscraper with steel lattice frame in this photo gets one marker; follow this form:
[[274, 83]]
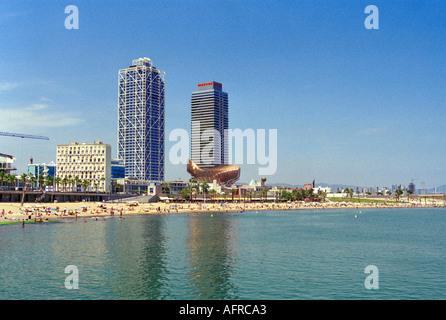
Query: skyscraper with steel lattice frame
[[141, 128], [209, 115]]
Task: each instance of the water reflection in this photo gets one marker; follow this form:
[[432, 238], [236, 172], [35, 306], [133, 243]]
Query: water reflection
[[212, 257], [141, 259]]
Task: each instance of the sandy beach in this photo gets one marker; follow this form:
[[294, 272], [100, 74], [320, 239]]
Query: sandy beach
[[51, 211]]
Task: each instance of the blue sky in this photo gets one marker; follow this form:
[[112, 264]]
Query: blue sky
[[351, 105]]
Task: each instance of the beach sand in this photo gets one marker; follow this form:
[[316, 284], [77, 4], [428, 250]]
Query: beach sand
[[51, 211]]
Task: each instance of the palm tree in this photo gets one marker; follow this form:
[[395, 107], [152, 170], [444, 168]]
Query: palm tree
[[57, 181], [77, 182], [2, 177], [102, 182], [23, 180], [85, 184], [64, 182], [11, 179], [49, 181], [41, 180], [323, 195], [349, 192], [31, 179], [299, 194], [311, 193], [398, 193], [70, 181], [409, 192], [212, 193], [193, 190], [204, 189]]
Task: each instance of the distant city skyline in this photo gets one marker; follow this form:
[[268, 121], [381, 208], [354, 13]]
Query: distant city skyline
[[351, 105]]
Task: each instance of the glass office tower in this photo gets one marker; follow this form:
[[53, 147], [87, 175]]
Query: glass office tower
[[209, 115], [141, 128]]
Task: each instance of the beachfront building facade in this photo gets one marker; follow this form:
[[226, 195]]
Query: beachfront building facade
[[91, 162], [209, 120], [117, 168], [141, 128], [7, 163], [44, 169]]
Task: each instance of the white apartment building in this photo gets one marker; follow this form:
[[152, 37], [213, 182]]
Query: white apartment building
[[91, 162]]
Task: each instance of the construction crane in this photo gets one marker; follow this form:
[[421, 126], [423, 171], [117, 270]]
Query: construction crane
[[21, 135]]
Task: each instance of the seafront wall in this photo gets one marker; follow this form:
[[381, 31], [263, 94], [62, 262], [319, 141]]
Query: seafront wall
[[51, 196]]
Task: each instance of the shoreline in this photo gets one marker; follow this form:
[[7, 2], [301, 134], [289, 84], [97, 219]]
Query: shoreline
[[14, 212]]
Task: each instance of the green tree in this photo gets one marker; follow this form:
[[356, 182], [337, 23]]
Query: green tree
[[103, 182], [286, 195], [23, 179], [349, 192], [193, 190], [322, 195], [398, 193], [41, 180], [185, 193], [49, 181], [204, 189], [77, 182], [2, 177], [301, 194], [57, 181], [165, 187], [65, 182], [85, 184], [31, 179], [409, 192], [212, 193], [11, 179], [70, 182]]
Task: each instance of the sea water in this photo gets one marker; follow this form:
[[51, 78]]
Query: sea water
[[267, 255]]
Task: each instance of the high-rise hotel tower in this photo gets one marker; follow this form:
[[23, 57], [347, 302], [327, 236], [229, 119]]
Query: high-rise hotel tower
[[209, 115], [141, 129]]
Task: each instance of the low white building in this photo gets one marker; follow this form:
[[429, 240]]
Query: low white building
[[7, 163], [323, 189]]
